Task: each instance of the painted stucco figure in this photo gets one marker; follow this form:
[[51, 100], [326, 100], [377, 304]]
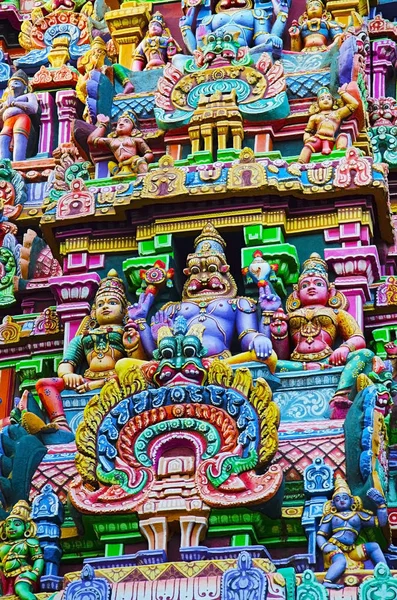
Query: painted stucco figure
[[126, 144], [156, 48], [103, 341], [305, 338], [21, 558], [315, 30], [17, 105], [259, 28], [210, 297], [323, 125], [342, 521]]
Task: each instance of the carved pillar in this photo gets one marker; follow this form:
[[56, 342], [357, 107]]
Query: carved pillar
[[127, 27], [48, 514], [192, 529], [47, 120], [74, 294], [384, 55], [66, 101], [155, 531]]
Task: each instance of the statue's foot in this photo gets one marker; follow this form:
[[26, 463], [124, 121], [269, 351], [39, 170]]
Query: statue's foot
[[332, 586], [61, 423], [128, 88], [340, 407]]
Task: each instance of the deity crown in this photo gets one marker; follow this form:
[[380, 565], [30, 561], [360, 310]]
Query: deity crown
[[21, 510], [21, 76], [112, 284], [341, 487], [157, 16], [209, 241], [315, 265]]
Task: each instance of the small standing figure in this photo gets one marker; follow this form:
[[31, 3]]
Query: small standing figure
[[16, 106], [126, 143], [21, 558], [325, 120], [315, 30], [342, 521], [156, 48]]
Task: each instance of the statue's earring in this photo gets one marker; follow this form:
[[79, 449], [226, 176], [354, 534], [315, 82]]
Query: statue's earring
[[354, 506], [293, 302], [27, 533], [3, 535], [334, 509]]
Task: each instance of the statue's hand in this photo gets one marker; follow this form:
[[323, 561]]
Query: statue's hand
[[342, 89], [339, 356], [102, 120], [140, 309], [72, 380], [130, 336], [376, 496], [391, 349], [279, 324], [268, 301], [261, 345], [160, 319], [294, 30]]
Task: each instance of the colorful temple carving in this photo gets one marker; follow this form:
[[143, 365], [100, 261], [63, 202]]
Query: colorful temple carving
[[198, 300]]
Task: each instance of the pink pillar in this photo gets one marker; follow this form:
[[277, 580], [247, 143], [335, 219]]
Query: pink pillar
[[47, 120], [66, 101], [356, 291], [383, 59], [74, 294]]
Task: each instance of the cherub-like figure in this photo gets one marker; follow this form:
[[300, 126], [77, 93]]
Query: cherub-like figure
[[324, 122], [21, 558], [156, 48], [126, 143], [16, 107], [315, 29], [342, 521]]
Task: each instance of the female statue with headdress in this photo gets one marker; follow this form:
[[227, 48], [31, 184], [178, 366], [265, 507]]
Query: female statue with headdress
[[316, 318]]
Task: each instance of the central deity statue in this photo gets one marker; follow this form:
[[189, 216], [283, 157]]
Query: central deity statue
[[316, 319], [209, 297], [260, 29]]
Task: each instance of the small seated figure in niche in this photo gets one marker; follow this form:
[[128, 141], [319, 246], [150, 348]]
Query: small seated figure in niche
[[316, 319], [341, 524], [21, 558], [126, 143], [324, 122], [104, 340], [156, 48], [315, 30], [17, 105]]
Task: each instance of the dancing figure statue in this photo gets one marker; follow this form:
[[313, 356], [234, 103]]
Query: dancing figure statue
[[156, 48], [315, 30], [21, 558], [17, 105], [324, 122], [209, 297], [342, 521], [102, 341], [316, 318], [126, 144], [259, 28]]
